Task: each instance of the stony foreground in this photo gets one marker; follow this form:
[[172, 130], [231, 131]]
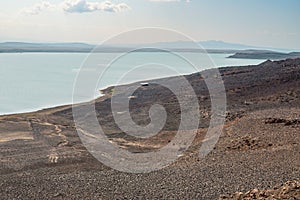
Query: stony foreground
[[288, 190], [256, 157]]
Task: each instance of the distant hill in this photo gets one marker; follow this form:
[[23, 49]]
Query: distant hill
[[213, 44], [11, 47]]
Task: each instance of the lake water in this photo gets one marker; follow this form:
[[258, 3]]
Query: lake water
[[32, 81]]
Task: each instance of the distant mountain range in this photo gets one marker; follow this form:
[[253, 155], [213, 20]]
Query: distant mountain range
[[212, 46], [208, 45]]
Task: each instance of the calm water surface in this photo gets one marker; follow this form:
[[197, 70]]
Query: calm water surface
[[32, 81]]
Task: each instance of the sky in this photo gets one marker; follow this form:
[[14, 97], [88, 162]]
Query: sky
[[268, 23]]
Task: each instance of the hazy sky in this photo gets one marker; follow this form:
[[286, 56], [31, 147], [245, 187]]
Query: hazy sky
[[272, 23]]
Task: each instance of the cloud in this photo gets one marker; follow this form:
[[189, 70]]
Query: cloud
[[77, 6], [170, 0], [38, 8], [81, 6], [163, 0]]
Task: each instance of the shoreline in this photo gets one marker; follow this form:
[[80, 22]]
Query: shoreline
[[107, 87], [42, 150]]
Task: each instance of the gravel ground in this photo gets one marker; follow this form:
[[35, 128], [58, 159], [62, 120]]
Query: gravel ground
[[42, 156]]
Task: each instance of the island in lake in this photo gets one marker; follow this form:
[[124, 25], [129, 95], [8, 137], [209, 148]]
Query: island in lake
[[263, 54]]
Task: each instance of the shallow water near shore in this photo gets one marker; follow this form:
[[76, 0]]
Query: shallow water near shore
[[32, 81]]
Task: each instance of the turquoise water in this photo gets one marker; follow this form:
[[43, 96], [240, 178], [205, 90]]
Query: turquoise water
[[32, 81]]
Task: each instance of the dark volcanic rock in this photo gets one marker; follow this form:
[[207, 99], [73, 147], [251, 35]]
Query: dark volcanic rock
[[42, 156]]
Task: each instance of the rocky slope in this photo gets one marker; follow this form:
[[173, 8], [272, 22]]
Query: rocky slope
[[42, 156]]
